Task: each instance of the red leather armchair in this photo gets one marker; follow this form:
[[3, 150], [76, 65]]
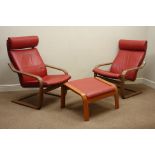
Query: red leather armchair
[[125, 66], [28, 64]]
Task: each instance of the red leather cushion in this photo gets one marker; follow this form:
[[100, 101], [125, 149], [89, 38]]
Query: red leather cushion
[[133, 45], [125, 60], [106, 73], [55, 79], [22, 42], [48, 80], [91, 87], [28, 61]]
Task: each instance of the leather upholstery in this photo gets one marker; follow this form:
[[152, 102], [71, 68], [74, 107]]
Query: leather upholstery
[[48, 80], [28, 61], [26, 58], [55, 79], [125, 60], [131, 54], [22, 42], [133, 45], [106, 73], [91, 87]]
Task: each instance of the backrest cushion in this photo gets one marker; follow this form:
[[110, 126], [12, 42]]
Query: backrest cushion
[[131, 54], [25, 57]]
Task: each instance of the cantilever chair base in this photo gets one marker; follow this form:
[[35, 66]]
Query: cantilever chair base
[[52, 94], [31, 105], [132, 93], [26, 104], [121, 85]]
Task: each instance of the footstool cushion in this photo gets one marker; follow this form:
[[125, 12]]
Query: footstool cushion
[[91, 87]]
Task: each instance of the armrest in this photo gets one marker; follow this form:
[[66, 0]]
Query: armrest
[[103, 64], [57, 68], [132, 69], [27, 74]]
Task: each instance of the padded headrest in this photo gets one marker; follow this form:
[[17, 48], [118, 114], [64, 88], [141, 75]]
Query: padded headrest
[[22, 42], [134, 45]]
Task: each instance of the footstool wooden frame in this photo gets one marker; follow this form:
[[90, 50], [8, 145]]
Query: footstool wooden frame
[[85, 99]]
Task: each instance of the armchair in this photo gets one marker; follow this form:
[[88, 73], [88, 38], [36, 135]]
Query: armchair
[[32, 72], [125, 66]]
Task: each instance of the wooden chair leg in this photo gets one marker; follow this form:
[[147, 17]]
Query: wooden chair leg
[[122, 89], [63, 96], [41, 98], [85, 109], [116, 97]]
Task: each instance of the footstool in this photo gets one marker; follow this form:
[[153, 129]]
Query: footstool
[[90, 89]]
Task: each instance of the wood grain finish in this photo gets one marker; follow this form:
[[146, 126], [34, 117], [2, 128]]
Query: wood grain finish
[[85, 99]]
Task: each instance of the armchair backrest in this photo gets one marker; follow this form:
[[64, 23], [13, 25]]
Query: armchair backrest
[[131, 54], [25, 57]]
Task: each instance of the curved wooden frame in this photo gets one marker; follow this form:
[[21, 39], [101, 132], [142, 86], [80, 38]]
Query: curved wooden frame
[[121, 81], [42, 90], [87, 101]]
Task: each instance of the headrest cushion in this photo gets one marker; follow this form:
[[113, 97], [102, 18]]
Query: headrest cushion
[[22, 42], [134, 45]]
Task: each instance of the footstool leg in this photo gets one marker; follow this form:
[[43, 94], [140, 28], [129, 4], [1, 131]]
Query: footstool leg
[[63, 96], [85, 109], [116, 100]]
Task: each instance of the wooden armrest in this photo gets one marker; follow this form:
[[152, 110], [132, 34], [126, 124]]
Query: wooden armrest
[[27, 74], [132, 69], [57, 68], [105, 64]]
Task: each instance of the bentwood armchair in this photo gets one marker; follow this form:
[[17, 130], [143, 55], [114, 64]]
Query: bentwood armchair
[[32, 72], [129, 59]]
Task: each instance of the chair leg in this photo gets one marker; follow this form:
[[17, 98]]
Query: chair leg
[[85, 109], [63, 96], [122, 87], [41, 98], [116, 97]]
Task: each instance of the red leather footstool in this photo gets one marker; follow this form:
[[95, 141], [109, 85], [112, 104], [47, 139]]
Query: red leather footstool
[[90, 89]]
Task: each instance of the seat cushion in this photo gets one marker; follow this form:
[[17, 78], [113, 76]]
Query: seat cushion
[[55, 79], [48, 80], [106, 73], [91, 87]]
